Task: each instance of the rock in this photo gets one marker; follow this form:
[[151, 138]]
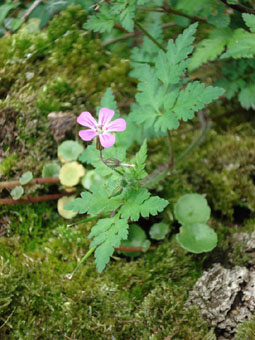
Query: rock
[[225, 297]]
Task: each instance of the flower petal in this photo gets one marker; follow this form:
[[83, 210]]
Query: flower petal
[[107, 140], [105, 116], [86, 119], [87, 135], [117, 125]]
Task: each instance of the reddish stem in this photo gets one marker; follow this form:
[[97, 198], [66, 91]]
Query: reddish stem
[[45, 180], [130, 249], [35, 199]]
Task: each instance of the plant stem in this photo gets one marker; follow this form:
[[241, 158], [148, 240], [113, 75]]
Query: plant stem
[[150, 36], [35, 199], [91, 251], [132, 35], [205, 126], [239, 8], [45, 180], [130, 249], [30, 10], [171, 153], [175, 12], [87, 255], [160, 173], [88, 219]]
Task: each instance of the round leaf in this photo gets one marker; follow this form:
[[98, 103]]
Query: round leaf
[[197, 238], [91, 178], [17, 192], [69, 150], [68, 214], [136, 238], [192, 208], [50, 170], [70, 174], [158, 231], [26, 178]]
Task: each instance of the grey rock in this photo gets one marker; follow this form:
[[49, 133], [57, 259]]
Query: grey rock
[[225, 297]]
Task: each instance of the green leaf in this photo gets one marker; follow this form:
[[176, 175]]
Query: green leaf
[[192, 208], [247, 96], [97, 201], [62, 202], [171, 65], [26, 178], [241, 45], [138, 202], [50, 170], [140, 162], [107, 235], [136, 238], [125, 9], [159, 231], [91, 178], [219, 18], [249, 20], [17, 192], [13, 23], [153, 206], [210, 49], [197, 238], [101, 22], [108, 101], [69, 150], [193, 98], [92, 156], [5, 9]]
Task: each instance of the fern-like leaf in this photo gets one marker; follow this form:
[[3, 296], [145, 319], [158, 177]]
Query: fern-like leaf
[[107, 235]]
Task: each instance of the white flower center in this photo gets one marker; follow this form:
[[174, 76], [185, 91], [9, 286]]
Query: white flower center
[[101, 129]]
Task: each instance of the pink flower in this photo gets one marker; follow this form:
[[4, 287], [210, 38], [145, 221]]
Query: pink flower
[[102, 128]]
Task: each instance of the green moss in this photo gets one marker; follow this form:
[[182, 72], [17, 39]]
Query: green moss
[[246, 330], [130, 300], [223, 168], [7, 164], [62, 68]]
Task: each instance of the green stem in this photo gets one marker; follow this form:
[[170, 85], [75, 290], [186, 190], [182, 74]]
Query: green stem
[[150, 36], [171, 153], [83, 221], [205, 127], [160, 173], [91, 251]]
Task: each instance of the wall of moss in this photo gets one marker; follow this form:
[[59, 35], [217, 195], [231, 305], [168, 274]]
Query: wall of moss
[[62, 68], [139, 299]]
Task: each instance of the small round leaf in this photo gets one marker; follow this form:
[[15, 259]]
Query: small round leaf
[[26, 178], [69, 150], [50, 170], [91, 178], [159, 231], [192, 208], [17, 192], [68, 214], [197, 238], [70, 174], [136, 238]]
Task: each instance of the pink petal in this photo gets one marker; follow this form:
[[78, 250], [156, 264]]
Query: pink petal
[[87, 135], [107, 140], [105, 116], [117, 125], [86, 119]]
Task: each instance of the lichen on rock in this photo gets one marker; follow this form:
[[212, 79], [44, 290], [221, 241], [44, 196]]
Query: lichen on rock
[[225, 297]]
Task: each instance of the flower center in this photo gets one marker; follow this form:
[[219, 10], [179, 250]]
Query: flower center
[[100, 129]]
